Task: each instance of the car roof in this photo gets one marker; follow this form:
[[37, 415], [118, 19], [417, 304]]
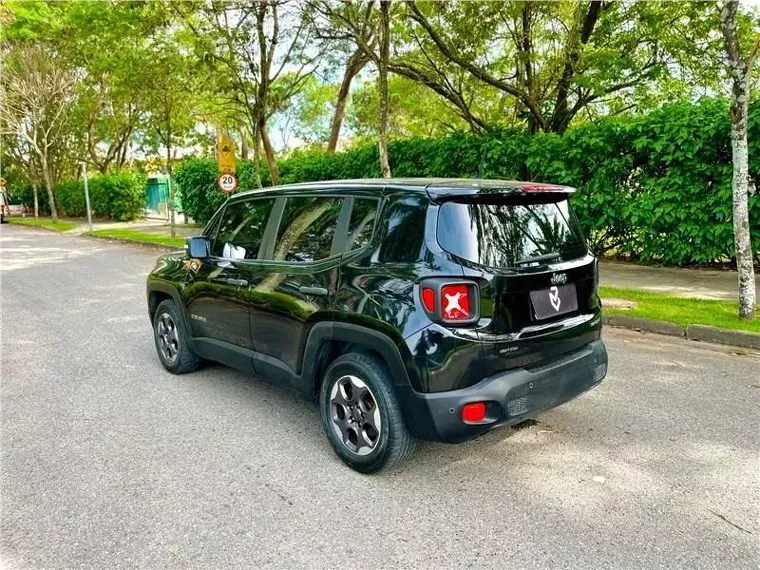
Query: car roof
[[435, 188]]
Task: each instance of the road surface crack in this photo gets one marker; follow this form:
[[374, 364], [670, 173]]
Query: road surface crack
[[720, 516]]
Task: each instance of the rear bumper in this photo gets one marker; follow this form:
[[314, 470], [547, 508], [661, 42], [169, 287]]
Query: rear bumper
[[511, 396]]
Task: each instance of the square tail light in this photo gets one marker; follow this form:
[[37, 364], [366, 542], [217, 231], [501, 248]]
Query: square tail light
[[450, 301]]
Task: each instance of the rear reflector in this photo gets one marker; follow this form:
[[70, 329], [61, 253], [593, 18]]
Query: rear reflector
[[428, 298], [474, 412]]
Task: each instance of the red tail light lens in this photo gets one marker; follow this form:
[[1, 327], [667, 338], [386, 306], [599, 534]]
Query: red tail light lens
[[455, 302], [428, 298], [474, 412]]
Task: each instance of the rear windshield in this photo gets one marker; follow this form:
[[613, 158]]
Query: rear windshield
[[509, 234]]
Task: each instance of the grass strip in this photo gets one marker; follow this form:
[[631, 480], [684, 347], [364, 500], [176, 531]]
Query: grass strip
[[44, 223], [138, 236], [680, 310]]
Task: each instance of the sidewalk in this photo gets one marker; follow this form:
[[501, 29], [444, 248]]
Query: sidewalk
[[694, 283], [159, 227]]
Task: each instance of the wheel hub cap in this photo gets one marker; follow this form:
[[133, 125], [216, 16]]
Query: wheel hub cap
[[168, 340], [355, 415]]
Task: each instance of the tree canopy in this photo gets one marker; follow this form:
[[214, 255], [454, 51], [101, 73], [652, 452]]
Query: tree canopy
[[155, 78]]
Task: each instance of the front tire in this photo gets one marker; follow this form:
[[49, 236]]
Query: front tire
[[361, 414], [171, 339]]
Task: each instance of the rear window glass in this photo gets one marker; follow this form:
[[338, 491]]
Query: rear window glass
[[508, 234]]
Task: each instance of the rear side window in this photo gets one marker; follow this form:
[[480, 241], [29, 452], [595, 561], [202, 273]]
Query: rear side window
[[362, 223], [510, 234], [404, 231], [241, 229], [307, 229]]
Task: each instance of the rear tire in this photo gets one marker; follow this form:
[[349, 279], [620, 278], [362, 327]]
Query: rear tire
[[361, 414], [171, 339]]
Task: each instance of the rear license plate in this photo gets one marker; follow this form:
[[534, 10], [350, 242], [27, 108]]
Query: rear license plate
[[554, 301]]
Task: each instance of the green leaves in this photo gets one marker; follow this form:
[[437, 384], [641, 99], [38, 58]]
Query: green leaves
[[655, 188]]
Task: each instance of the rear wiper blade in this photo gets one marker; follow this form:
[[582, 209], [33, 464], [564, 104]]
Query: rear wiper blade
[[545, 257]]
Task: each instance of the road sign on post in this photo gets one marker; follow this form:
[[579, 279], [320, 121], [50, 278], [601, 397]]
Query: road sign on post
[[225, 153], [227, 183]]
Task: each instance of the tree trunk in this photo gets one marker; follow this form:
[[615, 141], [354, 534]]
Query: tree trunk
[[49, 188], [36, 201], [257, 156], [354, 65], [243, 144], [274, 173], [739, 72], [385, 166], [741, 210]]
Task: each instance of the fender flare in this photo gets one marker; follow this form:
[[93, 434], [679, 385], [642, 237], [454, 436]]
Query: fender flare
[[353, 334], [171, 290]]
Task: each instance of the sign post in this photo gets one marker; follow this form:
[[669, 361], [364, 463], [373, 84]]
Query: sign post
[[87, 196], [225, 155]]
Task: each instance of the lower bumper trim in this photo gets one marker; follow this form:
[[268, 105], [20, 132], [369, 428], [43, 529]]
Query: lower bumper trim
[[512, 396]]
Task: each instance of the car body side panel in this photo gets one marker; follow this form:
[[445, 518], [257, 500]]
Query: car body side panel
[[216, 301]]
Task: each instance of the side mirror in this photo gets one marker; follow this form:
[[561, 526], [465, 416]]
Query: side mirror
[[197, 247]]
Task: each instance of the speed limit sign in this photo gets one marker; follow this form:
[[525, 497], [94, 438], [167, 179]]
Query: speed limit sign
[[227, 183]]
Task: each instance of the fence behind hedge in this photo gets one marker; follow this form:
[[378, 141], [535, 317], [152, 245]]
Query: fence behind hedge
[[654, 187]]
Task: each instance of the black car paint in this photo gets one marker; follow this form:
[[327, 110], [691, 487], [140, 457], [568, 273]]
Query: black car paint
[[373, 303]]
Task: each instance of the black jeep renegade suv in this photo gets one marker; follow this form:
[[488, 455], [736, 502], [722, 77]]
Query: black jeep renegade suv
[[427, 308]]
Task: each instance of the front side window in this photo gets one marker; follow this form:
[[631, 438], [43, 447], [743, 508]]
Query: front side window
[[307, 229], [242, 228]]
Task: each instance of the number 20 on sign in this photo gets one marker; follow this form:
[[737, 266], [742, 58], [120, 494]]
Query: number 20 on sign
[[227, 183]]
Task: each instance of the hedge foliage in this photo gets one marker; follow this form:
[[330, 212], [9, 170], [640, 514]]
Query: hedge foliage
[[24, 194], [119, 196], [654, 188]]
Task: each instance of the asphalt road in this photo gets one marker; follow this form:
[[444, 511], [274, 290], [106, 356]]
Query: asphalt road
[[108, 461]]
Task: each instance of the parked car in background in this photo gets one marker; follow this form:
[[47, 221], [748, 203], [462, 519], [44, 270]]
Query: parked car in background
[[419, 308]]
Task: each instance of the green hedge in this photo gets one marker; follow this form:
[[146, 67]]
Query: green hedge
[[654, 188], [119, 196]]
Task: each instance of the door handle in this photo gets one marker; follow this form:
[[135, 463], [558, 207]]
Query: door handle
[[321, 291], [237, 282]]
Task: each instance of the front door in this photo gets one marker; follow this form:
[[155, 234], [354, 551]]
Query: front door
[[216, 294]]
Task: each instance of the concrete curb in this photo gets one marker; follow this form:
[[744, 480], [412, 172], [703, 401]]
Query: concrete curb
[[647, 325], [693, 332], [723, 336]]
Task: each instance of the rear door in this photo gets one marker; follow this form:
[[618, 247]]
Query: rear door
[[537, 277], [296, 278]]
